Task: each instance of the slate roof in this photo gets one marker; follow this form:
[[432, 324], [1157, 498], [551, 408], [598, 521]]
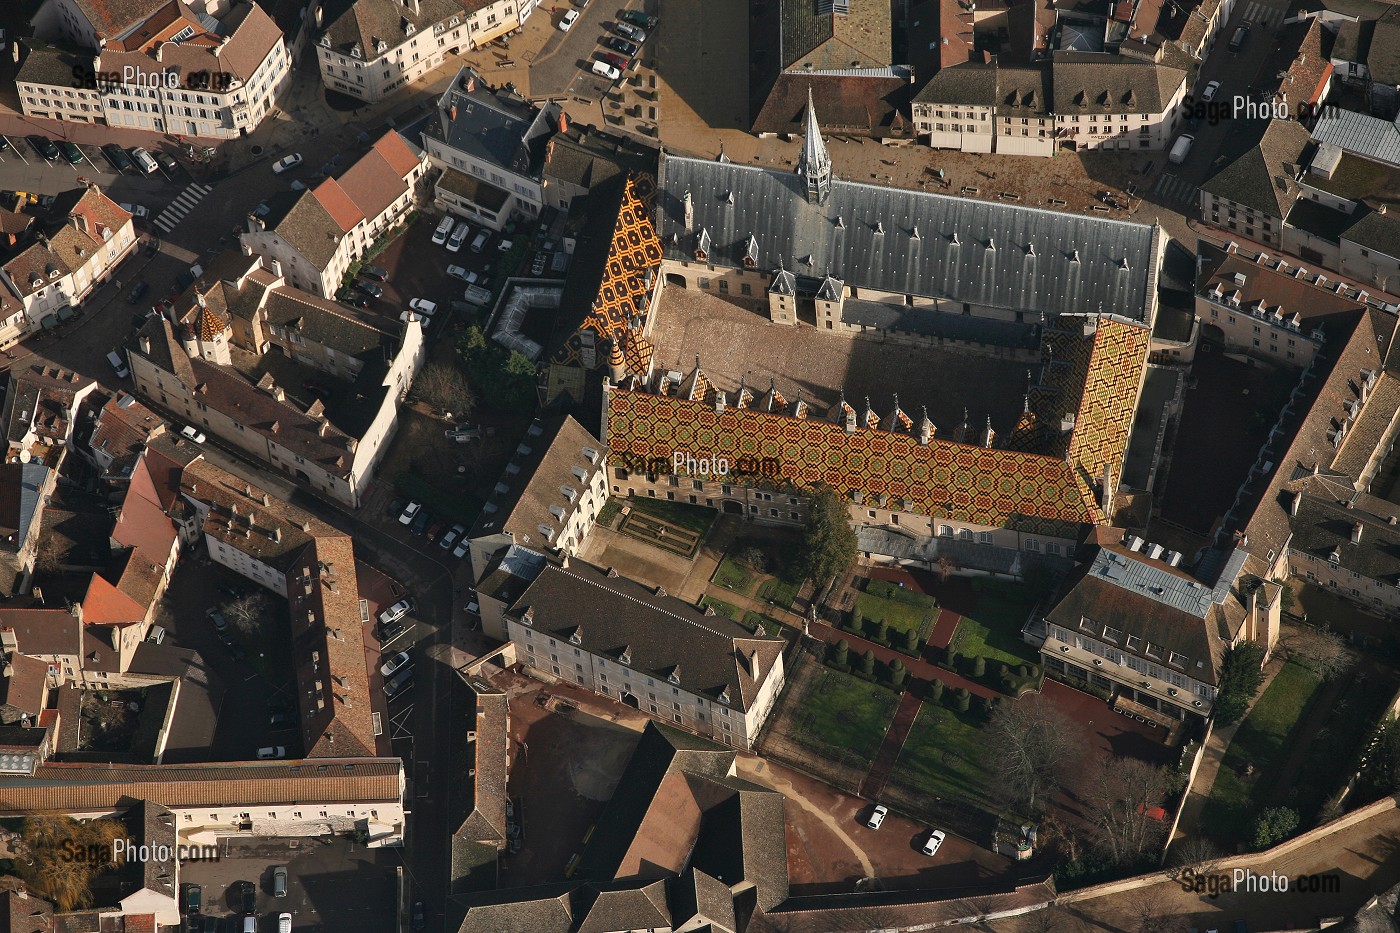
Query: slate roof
[[1376, 231], [77, 787], [526, 915], [368, 20], [52, 66], [1323, 526], [1264, 178], [1353, 42], [971, 83], [44, 632], [994, 487], [542, 467], [868, 102], [309, 228], [24, 687], [494, 125], [586, 157], [810, 38], [328, 323], [1091, 86], [626, 908], [1079, 263], [664, 636], [244, 40], [1383, 57]]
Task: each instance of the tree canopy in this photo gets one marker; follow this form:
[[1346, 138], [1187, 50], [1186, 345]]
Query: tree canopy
[[829, 542], [1240, 677]]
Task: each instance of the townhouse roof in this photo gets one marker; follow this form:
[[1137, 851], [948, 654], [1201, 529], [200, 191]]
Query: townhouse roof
[[969, 83], [555, 463], [869, 101], [1376, 231], [1360, 133], [51, 65], [24, 684], [80, 223], [244, 517], [494, 125], [904, 909], [309, 227], [78, 788], [1383, 56], [1265, 176], [236, 47], [329, 651], [1357, 534], [22, 912], [106, 604], [587, 157], [44, 632], [121, 429], [815, 36], [1300, 64], [1371, 429], [142, 522], [1032, 493], [1023, 91], [1087, 85], [662, 636], [640, 907], [338, 204], [1274, 285], [152, 825], [20, 486], [367, 23], [978, 252], [477, 190], [114, 18], [490, 721], [377, 179], [328, 323]]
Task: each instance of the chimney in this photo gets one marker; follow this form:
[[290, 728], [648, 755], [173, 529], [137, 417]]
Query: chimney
[[1297, 501], [471, 82], [145, 343], [321, 428], [720, 403], [563, 122], [1356, 533], [688, 205]]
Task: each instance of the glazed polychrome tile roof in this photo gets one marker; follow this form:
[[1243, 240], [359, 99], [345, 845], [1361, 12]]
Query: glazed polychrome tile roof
[[992, 487]]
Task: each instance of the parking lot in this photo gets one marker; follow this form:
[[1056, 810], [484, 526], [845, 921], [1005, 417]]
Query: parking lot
[[563, 66], [333, 884]]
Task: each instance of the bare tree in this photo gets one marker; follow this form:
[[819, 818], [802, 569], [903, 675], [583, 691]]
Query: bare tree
[[443, 386], [246, 613], [1195, 855], [1031, 745], [51, 553], [1318, 647], [1149, 910], [945, 567], [1054, 919], [1119, 795]]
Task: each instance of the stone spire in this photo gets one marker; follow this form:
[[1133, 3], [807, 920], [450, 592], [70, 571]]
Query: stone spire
[[989, 436], [926, 429], [617, 365], [815, 164]]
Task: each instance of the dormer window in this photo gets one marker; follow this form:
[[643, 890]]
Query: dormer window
[[381, 46], [675, 677], [355, 51], [409, 29], [626, 656], [326, 41], [577, 637], [528, 616]]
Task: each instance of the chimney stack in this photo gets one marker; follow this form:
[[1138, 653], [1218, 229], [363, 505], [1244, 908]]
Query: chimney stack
[[1356, 533]]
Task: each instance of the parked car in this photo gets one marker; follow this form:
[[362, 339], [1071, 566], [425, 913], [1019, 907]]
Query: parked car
[[117, 156], [449, 539], [434, 529], [279, 881], [284, 922], [399, 683], [458, 237], [638, 18], [877, 816], [568, 21], [217, 617], [194, 898], [621, 63], [44, 146], [423, 306], [152, 246], [141, 288], [505, 246], [462, 549], [421, 318], [271, 752], [352, 298], [286, 162], [604, 70], [396, 612], [280, 719], [396, 662], [1208, 92], [144, 160], [118, 364], [156, 635], [389, 632], [935, 839], [537, 267], [628, 31], [4, 143], [420, 524], [139, 211], [459, 306], [458, 272], [191, 433], [166, 162], [396, 506], [420, 918], [621, 45], [249, 896], [443, 231], [72, 153], [410, 512], [374, 272], [371, 289]]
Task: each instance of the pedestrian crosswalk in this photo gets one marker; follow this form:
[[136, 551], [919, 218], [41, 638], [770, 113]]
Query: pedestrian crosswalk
[[1262, 14], [1174, 188], [170, 218]]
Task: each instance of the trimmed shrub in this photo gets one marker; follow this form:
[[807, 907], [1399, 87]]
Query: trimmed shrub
[[898, 677], [911, 641], [962, 700], [867, 663], [838, 652], [979, 666], [882, 633], [1023, 671], [935, 690], [952, 659]]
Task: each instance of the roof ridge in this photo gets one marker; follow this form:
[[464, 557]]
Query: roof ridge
[[640, 602]]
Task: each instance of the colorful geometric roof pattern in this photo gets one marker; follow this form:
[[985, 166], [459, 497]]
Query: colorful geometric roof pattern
[[996, 488], [1110, 395], [634, 260]]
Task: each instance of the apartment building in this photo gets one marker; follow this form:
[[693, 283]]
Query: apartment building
[[60, 259], [1254, 193], [374, 47], [588, 626], [311, 237], [173, 69]]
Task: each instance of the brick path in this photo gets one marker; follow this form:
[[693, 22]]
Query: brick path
[[895, 738]]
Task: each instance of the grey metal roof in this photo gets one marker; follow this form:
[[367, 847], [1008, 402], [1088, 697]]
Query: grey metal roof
[[1165, 587], [1360, 134], [1038, 260], [494, 125]]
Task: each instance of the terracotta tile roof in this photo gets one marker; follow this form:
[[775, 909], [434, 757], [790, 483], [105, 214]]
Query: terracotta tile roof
[[142, 522], [633, 260], [997, 488], [868, 104], [105, 604], [137, 575], [310, 229], [73, 787], [338, 204], [374, 182], [21, 912], [243, 516], [121, 429], [24, 687], [249, 36], [110, 18], [44, 632], [394, 149]]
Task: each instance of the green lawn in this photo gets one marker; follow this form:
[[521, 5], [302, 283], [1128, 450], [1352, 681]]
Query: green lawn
[[608, 513], [1263, 740], [901, 609], [733, 575], [770, 626], [993, 630], [846, 713], [778, 592], [696, 518], [721, 608], [942, 756]]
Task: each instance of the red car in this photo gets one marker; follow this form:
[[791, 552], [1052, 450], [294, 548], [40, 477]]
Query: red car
[[435, 529], [620, 62]]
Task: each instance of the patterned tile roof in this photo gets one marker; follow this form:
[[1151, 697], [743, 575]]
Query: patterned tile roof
[[993, 487], [634, 258]]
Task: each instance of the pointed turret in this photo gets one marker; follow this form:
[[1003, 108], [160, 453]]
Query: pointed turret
[[988, 435], [617, 365], [960, 435], [926, 429], [898, 421], [815, 164], [870, 419], [843, 414], [745, 397]]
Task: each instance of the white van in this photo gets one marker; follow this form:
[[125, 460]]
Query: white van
[[119, 364], [144, 161], [480, 240], [459, 236], [1181, 149], [443, 231]]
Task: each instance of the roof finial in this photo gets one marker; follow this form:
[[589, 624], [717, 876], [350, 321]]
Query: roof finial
[[815, 164]]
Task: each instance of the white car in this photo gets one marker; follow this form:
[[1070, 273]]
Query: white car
[[935, 839], [462, 549], [138, 211], [1208, 93], [568, 21], [505, 245], [395, 612], [190, 433], [458, 272], [443, 231], [409, 513], [396, 662], [877, 816], [422, 320], [604, 70], [286, 162], [284, 922], [272, 751], [423, 306]]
